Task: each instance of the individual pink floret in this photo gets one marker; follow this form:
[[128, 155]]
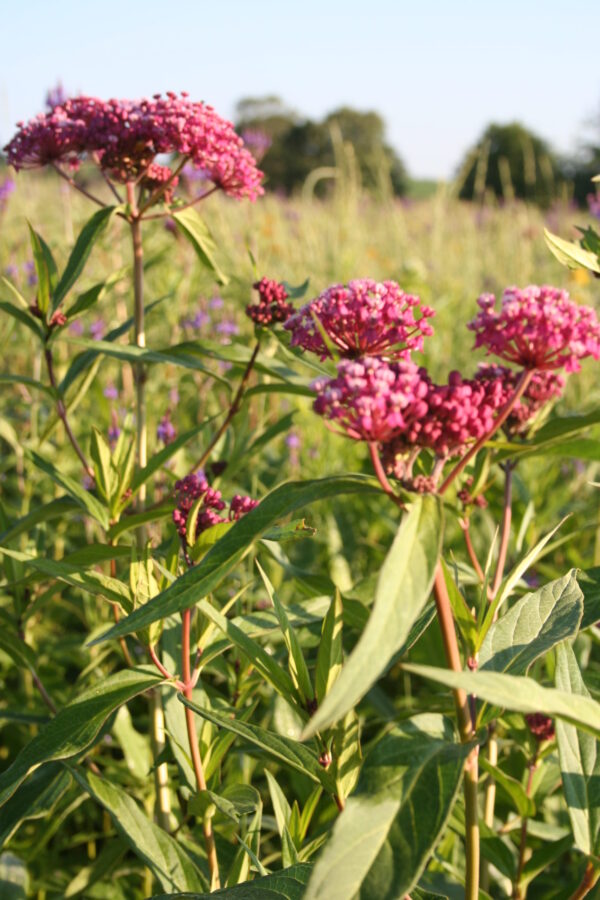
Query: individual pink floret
[[363, 318], [125, 136], [537, 328]]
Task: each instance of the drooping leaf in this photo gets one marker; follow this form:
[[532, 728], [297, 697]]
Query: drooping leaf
[[524, 805], [402, 591], [34, 799], [226, 553], [535, 624], [518, 693], [571, 254], [164, 855], [579, 760], [56, 509], [75, 727], [24, 317], [42, 270], [284, 749], [194, 229], [380, 844]]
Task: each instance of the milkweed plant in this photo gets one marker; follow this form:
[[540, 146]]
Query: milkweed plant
[[191, 694]]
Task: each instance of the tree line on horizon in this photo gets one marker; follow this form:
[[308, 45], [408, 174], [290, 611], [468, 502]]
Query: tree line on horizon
[[508, 160]]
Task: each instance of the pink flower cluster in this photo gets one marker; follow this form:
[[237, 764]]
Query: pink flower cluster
[[537, 328], [544, 387], [272, 303], [195, 487], [372, 399], [541, 726], [125, 136], [363, 318]]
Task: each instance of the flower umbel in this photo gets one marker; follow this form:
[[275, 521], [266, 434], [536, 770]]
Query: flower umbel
[[537, 328], [272, 303], [195, 487], [364, 318], [125, 136]]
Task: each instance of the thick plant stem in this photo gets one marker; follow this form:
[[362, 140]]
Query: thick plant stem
[[591, 876], [521, 387], [465, 725], [161, 773], [157, 716], [209, 838]]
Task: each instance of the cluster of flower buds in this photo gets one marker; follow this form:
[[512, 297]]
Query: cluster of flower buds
[[156, 177], [363, 318], [545, 386], [537, 328], [541, 726], [165, 430], [272, 303], [195, 487], [125, 136]]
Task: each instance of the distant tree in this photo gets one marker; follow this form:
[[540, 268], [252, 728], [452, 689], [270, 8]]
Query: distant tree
[[585, 166], [300, 145], [510, 161]]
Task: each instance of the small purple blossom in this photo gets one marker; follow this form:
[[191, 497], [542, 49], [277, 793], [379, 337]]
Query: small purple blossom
[[215, 302], [165, 430], [594, 204], [97, 330], [76, 328], [56, 96], [111, 392], [6, 189], [173, 396], [11, 271], [29, 269]]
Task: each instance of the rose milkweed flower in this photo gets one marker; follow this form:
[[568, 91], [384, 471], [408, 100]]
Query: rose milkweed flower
[[363, 318], [537, 328], [545, 386], [370, 398], [194, 487], [125, 136], [272, 303]]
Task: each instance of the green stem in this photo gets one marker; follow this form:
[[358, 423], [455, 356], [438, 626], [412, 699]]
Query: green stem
[[465, 725], [186, 675], [518, 893], [157, 716]]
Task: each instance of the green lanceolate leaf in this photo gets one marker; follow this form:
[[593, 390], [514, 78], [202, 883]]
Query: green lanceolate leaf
[[76, 726], [518, 693], [227, 552], [268, 667], [330, 652], [535, 624], [24, 317], [296, 662], [193, 228], [524, 805], [34, 799], [287, 884], [284, 749], [402, 591], [579, 760], [56, 509], [42, 270], [86, 239], [168, 861], [86, 500], [104, 473], [380, 844]]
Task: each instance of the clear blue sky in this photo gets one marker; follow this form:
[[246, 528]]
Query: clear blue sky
[[437, 71]]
